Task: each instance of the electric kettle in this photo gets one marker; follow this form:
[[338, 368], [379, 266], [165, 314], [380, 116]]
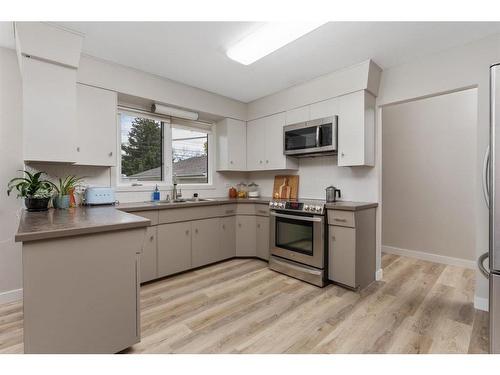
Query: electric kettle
[[332, 193]]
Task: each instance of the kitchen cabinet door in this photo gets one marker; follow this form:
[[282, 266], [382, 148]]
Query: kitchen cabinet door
[[246, 236], [274, 157], [231, 145], [228, 237], [342, 255], [206, 242], [49, 112], [96, 126], [149, 256], [256, 145], [262, 237], [356, 132], [296, 115], [174, 248], [326, 108]]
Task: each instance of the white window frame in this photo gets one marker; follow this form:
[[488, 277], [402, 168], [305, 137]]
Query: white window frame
[[166, 184]]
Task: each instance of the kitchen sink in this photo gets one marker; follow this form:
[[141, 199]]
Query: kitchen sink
[[187, 200]]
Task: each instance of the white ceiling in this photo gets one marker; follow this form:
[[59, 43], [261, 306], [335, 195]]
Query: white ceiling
[[194, 52]]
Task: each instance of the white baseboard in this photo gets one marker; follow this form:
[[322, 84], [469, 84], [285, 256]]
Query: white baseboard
[[481, 303], [11, 296], [430, 257], [379, 274]]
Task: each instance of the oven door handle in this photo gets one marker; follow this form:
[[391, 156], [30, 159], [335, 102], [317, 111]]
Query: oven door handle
[[315, 219]]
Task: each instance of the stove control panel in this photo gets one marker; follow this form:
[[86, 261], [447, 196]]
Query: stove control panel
[[297, 206]]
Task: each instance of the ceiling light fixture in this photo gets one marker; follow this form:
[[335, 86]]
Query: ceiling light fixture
[[269, 38]]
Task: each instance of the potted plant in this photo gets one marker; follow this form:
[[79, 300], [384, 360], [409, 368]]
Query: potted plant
[[35, 190], [64, 189]]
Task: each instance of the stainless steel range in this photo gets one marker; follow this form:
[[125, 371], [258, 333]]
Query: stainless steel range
[[297, 240]]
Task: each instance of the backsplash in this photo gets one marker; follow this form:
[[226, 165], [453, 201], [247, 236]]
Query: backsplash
[[356, 183]]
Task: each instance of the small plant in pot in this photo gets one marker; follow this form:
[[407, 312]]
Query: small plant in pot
[[35, 190], [64, 189]]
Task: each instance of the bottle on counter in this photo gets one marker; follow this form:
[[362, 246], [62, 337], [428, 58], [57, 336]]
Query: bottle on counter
[[156, 194]]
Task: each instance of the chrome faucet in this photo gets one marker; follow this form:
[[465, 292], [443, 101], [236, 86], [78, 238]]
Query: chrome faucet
[[175, 194]]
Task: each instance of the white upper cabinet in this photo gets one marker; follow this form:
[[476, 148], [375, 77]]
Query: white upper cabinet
[[326, 108], [96, 126], [265, 144], [231, 140], [356, 132], [49, 112], [296, 115]]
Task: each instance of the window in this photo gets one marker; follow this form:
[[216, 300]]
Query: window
[[141, 149], [189, 155], [153, 150]]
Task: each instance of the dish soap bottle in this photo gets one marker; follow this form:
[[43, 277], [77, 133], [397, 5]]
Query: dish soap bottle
[[156, 194]]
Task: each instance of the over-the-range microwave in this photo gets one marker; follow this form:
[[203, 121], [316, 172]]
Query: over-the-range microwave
[[311, 138]]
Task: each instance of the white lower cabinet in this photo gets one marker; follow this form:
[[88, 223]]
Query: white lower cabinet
[[228, 237], [205, 242], [246, 235], [149, 256], [263, 237], [174, 248]]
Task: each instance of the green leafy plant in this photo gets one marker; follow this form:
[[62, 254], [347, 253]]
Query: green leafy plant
[[31, 186], [65, 186]]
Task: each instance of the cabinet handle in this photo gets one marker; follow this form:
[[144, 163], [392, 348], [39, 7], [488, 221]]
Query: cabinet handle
[[258, 225], [267, 161], [78, 149], [341, 220], [151, 238], [187, 232], [342, 154], [229, 211], [196, 231], [111, 153], [231, 162], [260, 161], [333, 238], [224, 226], [239, 225], [262, 211]]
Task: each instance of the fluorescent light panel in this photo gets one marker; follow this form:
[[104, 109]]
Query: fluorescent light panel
[[269, 38]]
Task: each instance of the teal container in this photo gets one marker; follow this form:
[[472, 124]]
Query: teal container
[[61, 201]]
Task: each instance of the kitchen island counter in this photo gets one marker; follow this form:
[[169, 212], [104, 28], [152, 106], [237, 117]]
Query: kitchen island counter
[[75, 221]]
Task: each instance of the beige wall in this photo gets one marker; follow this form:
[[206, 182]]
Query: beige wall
[[428, 175], [11, 160]]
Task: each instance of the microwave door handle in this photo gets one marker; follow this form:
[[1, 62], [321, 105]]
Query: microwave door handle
[[317, 136]]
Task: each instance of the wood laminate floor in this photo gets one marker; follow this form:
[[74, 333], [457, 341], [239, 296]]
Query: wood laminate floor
[[240, 306]]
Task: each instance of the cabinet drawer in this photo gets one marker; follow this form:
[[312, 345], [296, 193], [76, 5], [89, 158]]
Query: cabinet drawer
[[172, 215], [228, 210], [151, 215], [252, 209], [343, 218], [262, 210]]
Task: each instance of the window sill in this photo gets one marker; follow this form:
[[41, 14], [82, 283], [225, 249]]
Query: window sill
[[162, 187]]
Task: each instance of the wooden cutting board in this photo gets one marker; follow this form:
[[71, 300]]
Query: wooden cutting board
[[286, 187]]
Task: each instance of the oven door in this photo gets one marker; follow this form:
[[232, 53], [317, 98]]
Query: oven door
[[298, 238]]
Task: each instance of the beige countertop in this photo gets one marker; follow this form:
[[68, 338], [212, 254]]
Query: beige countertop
[[75, 221]]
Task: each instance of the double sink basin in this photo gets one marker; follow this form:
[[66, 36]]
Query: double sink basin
[[188, 200]]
